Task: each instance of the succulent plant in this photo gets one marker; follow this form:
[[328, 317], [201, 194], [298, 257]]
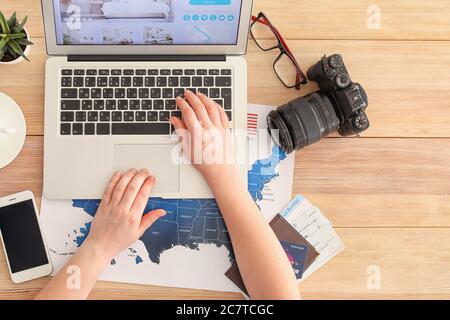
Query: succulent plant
[[13, 37]]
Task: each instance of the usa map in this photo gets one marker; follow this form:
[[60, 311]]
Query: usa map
[[189, 222]]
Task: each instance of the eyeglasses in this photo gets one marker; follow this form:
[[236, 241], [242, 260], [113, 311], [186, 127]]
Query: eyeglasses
[[285, 66]]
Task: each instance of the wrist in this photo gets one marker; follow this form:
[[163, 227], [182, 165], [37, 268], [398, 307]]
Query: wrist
[[225, 176], [96, 252]]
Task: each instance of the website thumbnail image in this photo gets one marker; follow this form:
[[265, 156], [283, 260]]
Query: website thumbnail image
[[146, 22]]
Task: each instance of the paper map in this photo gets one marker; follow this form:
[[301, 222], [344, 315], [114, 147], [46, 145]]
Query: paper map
[[190, 246]]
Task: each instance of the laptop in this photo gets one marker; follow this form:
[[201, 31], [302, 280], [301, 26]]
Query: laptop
[[114, 71]]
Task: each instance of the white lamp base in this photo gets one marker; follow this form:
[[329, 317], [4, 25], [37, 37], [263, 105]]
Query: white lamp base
[[12, 130]]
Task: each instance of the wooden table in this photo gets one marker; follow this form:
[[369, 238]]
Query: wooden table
[[386, 193]]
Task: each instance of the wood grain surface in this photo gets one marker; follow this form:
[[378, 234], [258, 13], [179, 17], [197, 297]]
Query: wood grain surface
[[386, 192]]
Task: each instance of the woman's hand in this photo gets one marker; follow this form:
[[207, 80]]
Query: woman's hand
[[263, 264], [205, 136], [119, 220], [117, 224]]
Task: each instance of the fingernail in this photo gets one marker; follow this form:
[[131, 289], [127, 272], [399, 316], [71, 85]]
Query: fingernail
[[152, 178], [178, 98], [200, 94], [188, 91], [163, 213]]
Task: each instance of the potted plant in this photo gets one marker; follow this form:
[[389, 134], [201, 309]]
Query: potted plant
[[15, 42]]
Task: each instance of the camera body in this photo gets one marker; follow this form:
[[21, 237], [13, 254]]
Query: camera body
[[339, 105], [348, 98]]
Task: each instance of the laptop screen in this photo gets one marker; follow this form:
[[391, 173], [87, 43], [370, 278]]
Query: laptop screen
[[147, 22]]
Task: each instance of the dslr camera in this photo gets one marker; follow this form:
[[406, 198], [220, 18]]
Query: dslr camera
[[339, 105]]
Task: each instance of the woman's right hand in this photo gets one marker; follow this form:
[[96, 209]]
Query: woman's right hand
[[205, 136]]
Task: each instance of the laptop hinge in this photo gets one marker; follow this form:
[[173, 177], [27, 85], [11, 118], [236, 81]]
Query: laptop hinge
[[87, 58]]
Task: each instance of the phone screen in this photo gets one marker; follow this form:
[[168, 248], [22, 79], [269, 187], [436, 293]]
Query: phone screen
[[21, 236]]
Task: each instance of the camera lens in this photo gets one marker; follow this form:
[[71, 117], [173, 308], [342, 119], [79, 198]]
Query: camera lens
[[302, 122]]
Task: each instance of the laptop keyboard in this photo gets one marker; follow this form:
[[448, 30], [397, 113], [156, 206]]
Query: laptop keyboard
[[133, 101]]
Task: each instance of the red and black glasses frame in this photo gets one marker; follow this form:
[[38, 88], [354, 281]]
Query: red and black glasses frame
[[300, 77]]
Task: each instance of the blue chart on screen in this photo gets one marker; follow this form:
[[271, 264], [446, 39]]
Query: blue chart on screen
[[190, 222]]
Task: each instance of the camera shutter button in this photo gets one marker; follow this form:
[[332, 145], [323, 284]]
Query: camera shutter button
[[331, 72]]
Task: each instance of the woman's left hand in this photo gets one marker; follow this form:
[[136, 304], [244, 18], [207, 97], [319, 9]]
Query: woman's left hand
[[119, 220]]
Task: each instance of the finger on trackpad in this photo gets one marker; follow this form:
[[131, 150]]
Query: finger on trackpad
[[156, 159]]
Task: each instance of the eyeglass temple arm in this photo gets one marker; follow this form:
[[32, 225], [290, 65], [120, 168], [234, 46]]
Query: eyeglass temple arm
[[263, 21]]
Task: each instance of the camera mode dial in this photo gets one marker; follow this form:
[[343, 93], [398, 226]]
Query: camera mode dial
[[361, 122], [343, 80]]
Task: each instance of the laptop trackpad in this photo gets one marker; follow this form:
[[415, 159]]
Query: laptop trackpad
[[156, 158]]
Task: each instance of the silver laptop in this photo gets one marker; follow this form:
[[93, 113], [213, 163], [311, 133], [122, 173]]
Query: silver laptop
[[115, 69]]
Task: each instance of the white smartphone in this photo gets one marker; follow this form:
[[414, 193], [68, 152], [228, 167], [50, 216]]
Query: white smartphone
[[23, 243]]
